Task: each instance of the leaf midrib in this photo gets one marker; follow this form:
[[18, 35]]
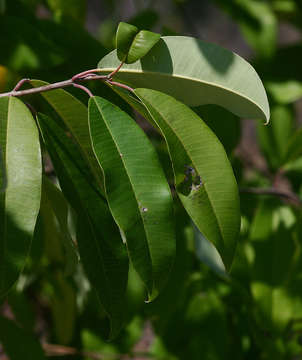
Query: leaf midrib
[[93, 232], [4, 247], [153, 73], [204, 184], [132, 186]]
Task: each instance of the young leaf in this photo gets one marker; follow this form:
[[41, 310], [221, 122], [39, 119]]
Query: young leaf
[[101, 250], [18, 343], [137, 191], [125, 34], [196, 73], [132, 44], [204, 178], [20, 202]]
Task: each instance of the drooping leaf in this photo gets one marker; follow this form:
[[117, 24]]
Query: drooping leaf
[[196, 73], [294, 147], [274, 139], [101, 250], [63, 308], [55, 214], [204, 178], [137, 191], [132, 43], [207, 253], [257, 22], [74, 114], [18, 343], [20, 203]]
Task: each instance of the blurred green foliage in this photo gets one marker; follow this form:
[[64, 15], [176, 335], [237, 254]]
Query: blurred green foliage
[[256, 312]]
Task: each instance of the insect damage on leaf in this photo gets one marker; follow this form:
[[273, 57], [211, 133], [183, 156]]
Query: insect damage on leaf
[[191, 182]]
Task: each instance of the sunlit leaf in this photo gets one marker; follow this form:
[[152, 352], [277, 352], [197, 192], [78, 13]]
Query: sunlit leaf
[[20, 203], [132, 43], [196, 73]]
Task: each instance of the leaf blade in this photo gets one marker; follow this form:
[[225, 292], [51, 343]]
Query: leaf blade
[[102, 253], [204, 178], [196, 73], [137, 191], [20, 203]]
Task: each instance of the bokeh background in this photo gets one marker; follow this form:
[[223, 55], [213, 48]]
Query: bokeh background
[[256, 313]]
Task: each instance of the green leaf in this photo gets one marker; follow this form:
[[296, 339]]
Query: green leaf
[[274, 139], [20, 203], [63, 308], [285, 92], [137, 191], [294, 147], [196, 73], [101, 250], [55, 214], [74, 9], [207, 253], [257, 21], [132, 44], [18, 343], [124, 37], [26, 48], [204, 178], [74, 114]]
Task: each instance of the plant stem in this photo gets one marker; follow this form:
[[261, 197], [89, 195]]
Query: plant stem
[[289, 196], [39, 89], [83, 76]]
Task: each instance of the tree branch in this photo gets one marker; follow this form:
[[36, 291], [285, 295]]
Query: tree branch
[[289, 196], [60, 350], [83, 76]]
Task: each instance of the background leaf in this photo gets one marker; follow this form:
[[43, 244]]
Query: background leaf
[[27, 346]]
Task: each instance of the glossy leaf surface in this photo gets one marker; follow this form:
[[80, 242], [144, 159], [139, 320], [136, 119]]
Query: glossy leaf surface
[[196, 73], [74, 115], [20, 202], [137, 191], [133, 44], [101, 250], [204, 178]]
